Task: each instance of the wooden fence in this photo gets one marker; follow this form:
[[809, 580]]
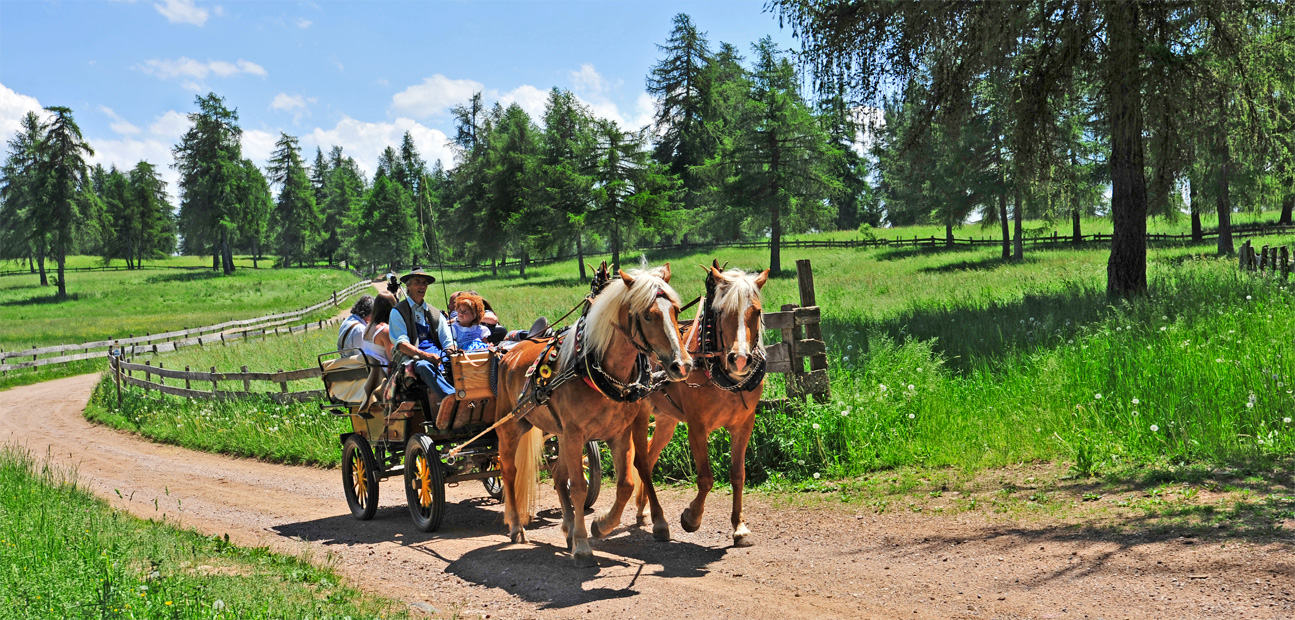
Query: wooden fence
[[1271, 262], [802, 342], [123, 372], [169, 341], [53, 272]]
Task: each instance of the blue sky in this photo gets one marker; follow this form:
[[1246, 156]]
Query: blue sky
[[353, 74]]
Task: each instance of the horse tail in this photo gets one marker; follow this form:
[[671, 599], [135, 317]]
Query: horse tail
[[526, 484]]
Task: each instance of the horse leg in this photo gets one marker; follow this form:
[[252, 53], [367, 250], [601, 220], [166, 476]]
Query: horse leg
[[508, 474], [559, 474], [740, 434], [643, 463], [609, 521], [660, 439], [570, 453], [697, 441]]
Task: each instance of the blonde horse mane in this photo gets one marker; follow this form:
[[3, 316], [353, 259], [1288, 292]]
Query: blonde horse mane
[[600, 324], [739, 288]]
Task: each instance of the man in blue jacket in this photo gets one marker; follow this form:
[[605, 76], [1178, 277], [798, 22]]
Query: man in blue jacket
[[421, 334]]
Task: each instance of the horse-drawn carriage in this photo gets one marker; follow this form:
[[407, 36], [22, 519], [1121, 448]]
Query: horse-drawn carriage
[[392, 435]]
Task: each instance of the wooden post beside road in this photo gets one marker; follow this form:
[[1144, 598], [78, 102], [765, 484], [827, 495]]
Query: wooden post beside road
[[213, 380], [813, 331], [186, 378], [148, 376], [116, 365], [247, 385], [283, 385]]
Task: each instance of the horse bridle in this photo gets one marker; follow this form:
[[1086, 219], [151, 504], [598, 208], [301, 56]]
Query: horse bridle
[[710, 319]]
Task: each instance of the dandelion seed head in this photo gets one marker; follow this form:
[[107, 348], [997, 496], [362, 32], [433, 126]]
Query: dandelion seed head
[[1155, 429], [816, 475], [912, 416], [1097, 396], [815, 426], [1137, 402]]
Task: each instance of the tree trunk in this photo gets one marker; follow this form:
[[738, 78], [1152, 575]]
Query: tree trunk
[[61, 259], [616, 246], [522, 269], [40, 265], [1002, 199], [1224, 204], [215, 259], [1288, 203], [1075, 230], [1198, 234], [1018, 244], [948, 234], [580, 254], [1126, 270], [494, 269], [775, 236]]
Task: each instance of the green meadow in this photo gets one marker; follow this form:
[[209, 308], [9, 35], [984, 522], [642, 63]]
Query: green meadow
[[938, 359], [67, 554], [117, 304]]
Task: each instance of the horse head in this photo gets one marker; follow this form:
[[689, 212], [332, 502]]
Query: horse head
[[650, 318], [734, 295]]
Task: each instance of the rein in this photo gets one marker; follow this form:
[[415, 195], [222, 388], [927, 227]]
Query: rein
[[710, 345]]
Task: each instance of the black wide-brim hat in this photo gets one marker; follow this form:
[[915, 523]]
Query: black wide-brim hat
[[417, 271]]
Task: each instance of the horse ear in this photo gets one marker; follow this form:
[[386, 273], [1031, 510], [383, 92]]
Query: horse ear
[[762, 278], [665, 272], [627, 279], [715, 273], [715, 264]]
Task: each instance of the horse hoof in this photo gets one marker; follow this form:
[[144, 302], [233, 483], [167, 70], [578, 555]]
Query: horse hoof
[[585, 559], [742, 540], [687, 522], [518, 537], [661, 532], [596, 530], [640, 520]]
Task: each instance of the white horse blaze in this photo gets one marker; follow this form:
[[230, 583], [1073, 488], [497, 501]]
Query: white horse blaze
[[743, 346], [675, 346]]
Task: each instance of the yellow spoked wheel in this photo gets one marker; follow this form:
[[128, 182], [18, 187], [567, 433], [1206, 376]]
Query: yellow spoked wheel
[[424, 483], [360, 477], [494, 484]]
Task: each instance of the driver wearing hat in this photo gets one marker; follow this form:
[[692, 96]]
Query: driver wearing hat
[[421, 334]]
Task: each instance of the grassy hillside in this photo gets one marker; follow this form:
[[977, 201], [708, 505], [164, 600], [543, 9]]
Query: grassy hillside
[[68, 555], [955, 358]]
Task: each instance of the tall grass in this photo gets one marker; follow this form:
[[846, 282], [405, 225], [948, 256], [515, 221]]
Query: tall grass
[[1005, 361], [66, 554]]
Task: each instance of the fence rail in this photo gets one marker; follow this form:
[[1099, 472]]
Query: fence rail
[[169, 341], [48, 271], [122, 372], [802, 342], [1271, 262]]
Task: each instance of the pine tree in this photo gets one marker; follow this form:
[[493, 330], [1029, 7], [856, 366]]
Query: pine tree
[[255, 208], [65, 186], [295, 221], [343, 187], [21, 232], [566, 162], [631, 190], [385, 231], [209, 160], [681, 85]]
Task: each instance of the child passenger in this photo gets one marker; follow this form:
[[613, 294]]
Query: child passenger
[[468, 311]]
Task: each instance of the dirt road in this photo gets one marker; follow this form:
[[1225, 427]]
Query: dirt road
[[826, 560]]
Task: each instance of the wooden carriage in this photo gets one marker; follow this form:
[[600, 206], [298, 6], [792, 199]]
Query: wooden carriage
[[393, 435]]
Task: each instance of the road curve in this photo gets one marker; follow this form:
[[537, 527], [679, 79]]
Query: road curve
[[815, 561]]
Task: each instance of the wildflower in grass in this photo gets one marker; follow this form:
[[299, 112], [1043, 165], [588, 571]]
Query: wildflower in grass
[[1136, 402], [218, 605], [919, 370], [1286, 420], [800, 461], [1163, 328], [1155, 429], [1135, 413], [883, 387], [815, 426], [1247, 298], [816, 475], [1097, 396], [912, 416]]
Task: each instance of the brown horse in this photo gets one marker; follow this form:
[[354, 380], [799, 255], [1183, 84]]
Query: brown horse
[[636, 316], [722, 391]]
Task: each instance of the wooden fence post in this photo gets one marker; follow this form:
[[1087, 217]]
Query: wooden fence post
[[790, 336], [160, 378], [247, 384], [1263, 260], [213, 380], [283, 385], [1286, 265], [1244, 255], [116, 365], [147, 375], [334, 299], [813, 331], [186, 378]]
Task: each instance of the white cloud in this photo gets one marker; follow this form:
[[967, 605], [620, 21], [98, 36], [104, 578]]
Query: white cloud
[[303, 23], [119, 124], [258, 145], [170, 126], [593, 90], [433, 97], [182, 12], [189, 68], [530, 98], [13, 107], [287, 103], [364, 140]]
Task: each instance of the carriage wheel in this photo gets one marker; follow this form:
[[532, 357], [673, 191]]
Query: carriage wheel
[[494, 484], [360, 477], [591, 464], [424, 483]]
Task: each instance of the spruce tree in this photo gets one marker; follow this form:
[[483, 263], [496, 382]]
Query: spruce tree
[[295, 221], [209, 160], [21, 233], [65, 186]]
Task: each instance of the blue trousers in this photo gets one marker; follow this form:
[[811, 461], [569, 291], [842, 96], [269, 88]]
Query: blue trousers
[[432, 376]]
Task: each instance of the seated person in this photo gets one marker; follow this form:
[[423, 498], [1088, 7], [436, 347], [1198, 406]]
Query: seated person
[[376, 342], [421, 336], [491, 331], [466, 327], [349, 333]]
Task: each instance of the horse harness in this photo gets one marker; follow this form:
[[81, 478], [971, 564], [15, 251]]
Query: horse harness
[[710, 339]]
